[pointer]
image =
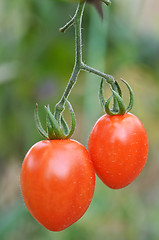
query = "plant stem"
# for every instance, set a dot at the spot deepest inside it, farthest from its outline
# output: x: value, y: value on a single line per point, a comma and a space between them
x: 78, y: 59
x: 79, y: 65
x: 69, y: 24
x: 107, y: 77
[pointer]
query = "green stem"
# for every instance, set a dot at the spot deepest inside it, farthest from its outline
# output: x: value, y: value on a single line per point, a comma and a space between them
x: 110, y: 79
x: 69, y: 24
x: 107, y: 77
x: 78, y: 59
x: 57, y: 128
x: 79, y: 65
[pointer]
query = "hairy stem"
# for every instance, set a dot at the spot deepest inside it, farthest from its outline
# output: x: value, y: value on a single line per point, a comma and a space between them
x: 78, y: 59
x: 107, y: 77
x: 79, y: 65
x: 69, y: 24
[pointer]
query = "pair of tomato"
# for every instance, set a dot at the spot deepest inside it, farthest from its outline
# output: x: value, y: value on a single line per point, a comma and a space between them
x: 58, y: 176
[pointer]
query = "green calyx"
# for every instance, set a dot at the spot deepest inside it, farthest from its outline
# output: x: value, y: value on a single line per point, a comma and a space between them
x: 119, y: 107
x: 56, y: 128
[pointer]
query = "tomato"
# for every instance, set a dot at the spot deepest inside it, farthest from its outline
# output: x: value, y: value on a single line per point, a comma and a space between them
x: 57, y: 182
x: 118, y: 148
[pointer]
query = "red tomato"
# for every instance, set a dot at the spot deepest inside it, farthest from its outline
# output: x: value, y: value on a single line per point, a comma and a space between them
x: 118, y: 148
x: 57, y: 182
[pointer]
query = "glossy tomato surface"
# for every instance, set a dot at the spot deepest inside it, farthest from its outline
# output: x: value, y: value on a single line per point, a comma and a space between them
x: 57, y: 182
x: 118, y: 148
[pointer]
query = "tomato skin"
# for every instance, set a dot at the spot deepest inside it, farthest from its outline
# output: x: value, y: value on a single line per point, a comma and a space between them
x: 57, y: 182
x: 118, y: 148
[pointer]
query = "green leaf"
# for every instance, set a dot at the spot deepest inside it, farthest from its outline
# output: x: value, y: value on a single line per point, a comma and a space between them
x: 50, y: 130
x: 64, y: 125
x: 131, y: 102
x: 73, y: 123
x: 101, y: 94
x: 121, y: 104
x: 54, y: 124
x: 38, y: 123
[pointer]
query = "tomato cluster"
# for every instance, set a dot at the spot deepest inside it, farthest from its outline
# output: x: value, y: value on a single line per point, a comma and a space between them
x: 58, y: 176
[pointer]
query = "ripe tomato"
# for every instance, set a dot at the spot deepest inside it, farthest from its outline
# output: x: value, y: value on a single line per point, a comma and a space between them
x: 57, y: 182
x: 118, y: 148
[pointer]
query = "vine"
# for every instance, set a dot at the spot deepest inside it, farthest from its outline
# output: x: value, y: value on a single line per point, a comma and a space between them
x: 57, y: 128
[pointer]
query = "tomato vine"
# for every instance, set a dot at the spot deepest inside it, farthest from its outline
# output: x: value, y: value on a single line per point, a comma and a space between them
x: 57, y: 128
x: 58, y: 174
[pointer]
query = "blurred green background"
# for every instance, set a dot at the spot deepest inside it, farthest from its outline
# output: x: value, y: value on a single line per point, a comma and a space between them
x: 36, y: 61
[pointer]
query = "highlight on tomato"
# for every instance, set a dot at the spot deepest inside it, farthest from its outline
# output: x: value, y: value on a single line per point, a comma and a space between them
x: 57, y: 182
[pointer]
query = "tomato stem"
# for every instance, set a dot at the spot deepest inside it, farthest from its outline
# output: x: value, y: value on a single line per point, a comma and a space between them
x: 110, y: 79
x: 67, y: 25
x: 79, y: 65
x: 56, y: 125
x: 77, y: 20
